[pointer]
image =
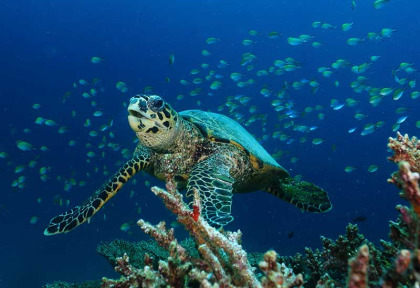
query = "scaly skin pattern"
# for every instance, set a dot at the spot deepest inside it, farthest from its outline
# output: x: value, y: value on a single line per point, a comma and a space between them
x: 70, y: 219
x: 191, y: 147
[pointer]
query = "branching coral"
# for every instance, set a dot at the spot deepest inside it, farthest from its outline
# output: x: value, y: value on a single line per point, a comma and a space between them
x: 133, y: 277
x: 278, y: 275
x: 358, y: 268
x: 410, y: 185
x: 222, y: 261
x: 406, y: 269
x: 405, y: 149
x: 405, y: 231
x: 222, y: 252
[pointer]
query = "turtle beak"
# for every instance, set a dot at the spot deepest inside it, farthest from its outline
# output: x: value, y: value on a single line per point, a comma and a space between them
x: 134, y: 123
x: 135, y: 115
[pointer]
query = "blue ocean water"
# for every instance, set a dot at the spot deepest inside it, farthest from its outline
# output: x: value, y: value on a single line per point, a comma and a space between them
x: 47, y: 46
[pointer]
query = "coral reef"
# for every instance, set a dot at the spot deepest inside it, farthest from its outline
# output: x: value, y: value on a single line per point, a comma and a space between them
x: 215, y: 258
x: 222, y: 252
x: 330, y: 263
x: 333, y: 258
x: 222, y: 261
x: 405, y: 232
x: 172, y: 273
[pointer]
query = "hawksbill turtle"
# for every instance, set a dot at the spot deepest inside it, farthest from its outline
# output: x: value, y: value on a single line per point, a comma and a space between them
x: 200, y: 150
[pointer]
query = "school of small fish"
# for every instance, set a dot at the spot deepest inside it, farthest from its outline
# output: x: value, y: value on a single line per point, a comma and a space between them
x: 275, y: 84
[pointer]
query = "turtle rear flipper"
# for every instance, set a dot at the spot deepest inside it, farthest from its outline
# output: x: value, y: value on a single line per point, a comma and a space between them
x: 212, y: 180
x: 69, y: 220
x: 304, y: 195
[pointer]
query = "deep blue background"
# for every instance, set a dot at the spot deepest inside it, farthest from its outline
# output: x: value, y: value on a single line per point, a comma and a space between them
x: 46, y: 46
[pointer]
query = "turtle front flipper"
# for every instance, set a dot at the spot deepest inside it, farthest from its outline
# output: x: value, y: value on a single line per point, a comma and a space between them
x: 304, y: 195
x: 69, y: 220
x: 212, y: 180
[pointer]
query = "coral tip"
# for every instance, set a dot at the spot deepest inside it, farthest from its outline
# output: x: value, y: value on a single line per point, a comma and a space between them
x: 195, y: 213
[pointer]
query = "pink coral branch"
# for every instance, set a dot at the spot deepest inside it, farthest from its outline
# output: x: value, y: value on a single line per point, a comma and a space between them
x: 358, y: 268
x: 278, y: 275
x: 162, y: 236
x: 410, y: 185
x: 203, y: 233
x: 405, y: 149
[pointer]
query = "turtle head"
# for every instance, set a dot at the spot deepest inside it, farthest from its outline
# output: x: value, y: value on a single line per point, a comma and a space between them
x: 153, y: 120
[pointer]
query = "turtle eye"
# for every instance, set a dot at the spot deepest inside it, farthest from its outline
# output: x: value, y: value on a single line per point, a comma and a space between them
x: 156, y: 103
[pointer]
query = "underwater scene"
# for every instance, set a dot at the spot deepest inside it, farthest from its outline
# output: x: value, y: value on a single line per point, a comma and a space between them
x: 251, y: 143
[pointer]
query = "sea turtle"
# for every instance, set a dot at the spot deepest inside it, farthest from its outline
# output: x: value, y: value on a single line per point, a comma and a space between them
x: 202, y: 151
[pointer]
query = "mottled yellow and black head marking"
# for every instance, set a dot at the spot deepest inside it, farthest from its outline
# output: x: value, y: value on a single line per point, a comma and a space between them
x: 153, y: 120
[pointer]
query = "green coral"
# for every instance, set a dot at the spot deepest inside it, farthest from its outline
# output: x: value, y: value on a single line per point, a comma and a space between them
x: 403, y: 232
x: 60, y: 284
x: 254, y: 258
x: 136, y: 251
x: 332, y: 259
